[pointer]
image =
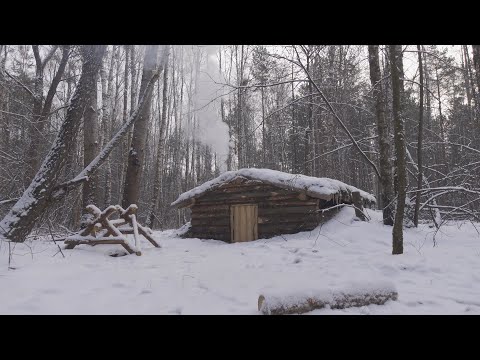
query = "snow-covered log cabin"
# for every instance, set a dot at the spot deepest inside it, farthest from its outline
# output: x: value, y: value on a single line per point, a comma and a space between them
x: 249, y: 204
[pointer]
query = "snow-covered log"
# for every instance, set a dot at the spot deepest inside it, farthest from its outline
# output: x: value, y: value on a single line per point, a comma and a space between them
x: 352, y: 296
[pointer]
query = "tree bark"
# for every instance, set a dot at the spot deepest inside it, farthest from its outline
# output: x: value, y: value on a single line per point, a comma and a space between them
x: 90, y: 151
x: 383, y: 135
x: 399, y: 138
x: 157, y: 187
x: 107, y: 112
x: 419, y: 141
x: 476, y: 64
x: 137, y: 148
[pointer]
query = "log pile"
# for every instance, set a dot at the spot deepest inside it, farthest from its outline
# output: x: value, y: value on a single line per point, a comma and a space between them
x: 102, y: 230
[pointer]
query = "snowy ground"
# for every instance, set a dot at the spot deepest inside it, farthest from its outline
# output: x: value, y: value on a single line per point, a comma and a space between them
x: 193, y: 276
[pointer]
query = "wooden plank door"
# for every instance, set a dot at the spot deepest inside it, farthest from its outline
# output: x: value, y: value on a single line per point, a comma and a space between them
x: 244, y: 222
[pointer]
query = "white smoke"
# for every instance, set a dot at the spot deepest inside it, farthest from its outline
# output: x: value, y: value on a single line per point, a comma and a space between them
x: 212, y: 131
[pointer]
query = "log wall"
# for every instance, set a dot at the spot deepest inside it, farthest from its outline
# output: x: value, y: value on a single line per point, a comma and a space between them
x: 280, y: 211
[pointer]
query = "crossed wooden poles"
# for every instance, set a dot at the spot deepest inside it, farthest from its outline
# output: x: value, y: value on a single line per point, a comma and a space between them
x: 102, y: 230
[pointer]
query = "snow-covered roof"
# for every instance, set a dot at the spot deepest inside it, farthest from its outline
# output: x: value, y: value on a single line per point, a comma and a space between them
x: 323, y: 188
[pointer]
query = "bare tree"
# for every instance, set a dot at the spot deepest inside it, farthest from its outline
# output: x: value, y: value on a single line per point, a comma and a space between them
x: 137, y: 147
x: 157, y: 187
x: 20, y: 220
x: 420, y: 140
x: 383, y: 135
x: 399, y: 137
x: 90, y: 151
x: 41, y: 105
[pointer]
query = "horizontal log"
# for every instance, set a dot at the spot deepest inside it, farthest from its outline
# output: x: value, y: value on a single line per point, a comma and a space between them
x: 294, y: 218
x: 70, y: 244
x: 264, y: 210
x: 215, y: 221
x: 287, y: 203
x: 264, y: 202
x: 210, y: 208
x: 262, y: 219
x: 210, y: 214
x: 258, y: 196
x: 337, y: 299
x: 214, y: 236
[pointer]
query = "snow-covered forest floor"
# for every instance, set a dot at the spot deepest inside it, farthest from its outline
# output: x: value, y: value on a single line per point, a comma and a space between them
x: 193, y: 276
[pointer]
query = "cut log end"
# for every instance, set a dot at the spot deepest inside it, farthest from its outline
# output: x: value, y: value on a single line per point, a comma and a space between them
x: 261, y: 299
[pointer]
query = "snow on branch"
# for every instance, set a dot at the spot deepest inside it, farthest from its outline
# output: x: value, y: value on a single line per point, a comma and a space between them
x: 103, y: 155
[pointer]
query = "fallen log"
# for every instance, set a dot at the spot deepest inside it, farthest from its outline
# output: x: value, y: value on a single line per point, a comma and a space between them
x: 353, y: 296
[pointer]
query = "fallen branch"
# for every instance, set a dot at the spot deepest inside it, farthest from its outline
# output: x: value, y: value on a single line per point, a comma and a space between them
x: 53, y: 238
x: 356, y: 296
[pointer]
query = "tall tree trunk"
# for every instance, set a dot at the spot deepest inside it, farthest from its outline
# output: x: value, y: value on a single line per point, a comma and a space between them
x: 240, y: 120
x: 107, y: 109
x: 264, y: 135
x: 476, y: 64
x: 399, y: 138
x: 90, y: 151
x: 21, y: 219
x: 136, y: 153
x: 383, y: 136
x: 309, y: 132
x: 420, y: 141
x: 443, y: 151
x: 124, y: 146
x: 294, y: 138
x: 475, y: 93
x: 157, y: 186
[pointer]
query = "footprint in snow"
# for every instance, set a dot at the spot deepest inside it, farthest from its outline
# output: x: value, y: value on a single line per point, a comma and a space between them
x: 118, y: 285
x: 145, y: 291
